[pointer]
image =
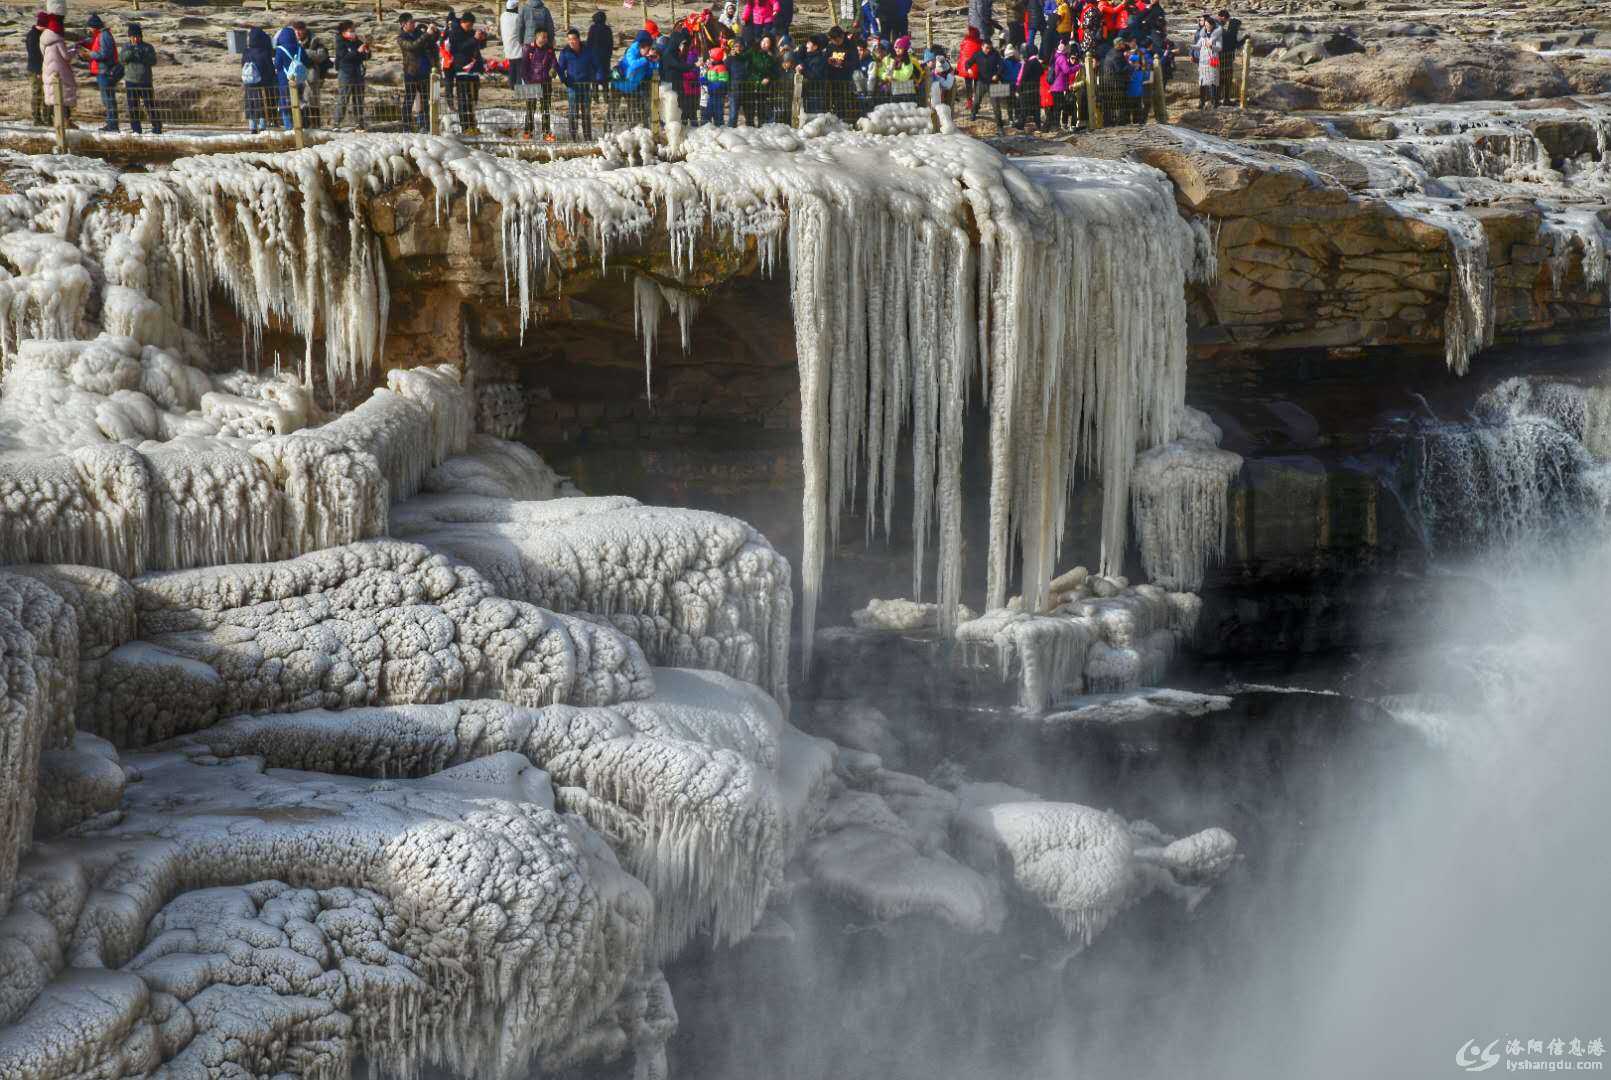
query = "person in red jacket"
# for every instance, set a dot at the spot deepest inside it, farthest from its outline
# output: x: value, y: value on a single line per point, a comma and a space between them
x: 965, y: 65
x: 1112, y: 17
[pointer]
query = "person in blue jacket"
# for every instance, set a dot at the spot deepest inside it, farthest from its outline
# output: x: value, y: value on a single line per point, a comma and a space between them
x: 289, y: 65
x: 101, y: 52
x: 637, y: 63
x: 578, y: 70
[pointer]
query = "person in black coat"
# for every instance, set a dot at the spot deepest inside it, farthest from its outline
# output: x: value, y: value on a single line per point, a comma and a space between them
x: 601, y: 43
x: 1230, y: 41
x: 464, y: 49
x: 988, y: 72
x: 351, y: 54
x: 676, y: 61
x: 1028, y: 99
x: 36, y: 76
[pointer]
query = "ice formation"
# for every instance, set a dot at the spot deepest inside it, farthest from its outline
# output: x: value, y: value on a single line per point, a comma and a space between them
x: 434, y: 922
x: 1178, y: 495
x: 1086, y: 364
x: 893, y: 845
x: 1526, y: 468
x: 902, y: 614
x: 371, y: 623
x: 400, y: 780
x: 1102, y: 636
x: 691, y: 588
x: 689, y: 783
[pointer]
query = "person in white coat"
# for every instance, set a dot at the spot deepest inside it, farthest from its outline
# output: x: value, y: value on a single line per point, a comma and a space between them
x: 1205, y: 49
x: 514, y: 49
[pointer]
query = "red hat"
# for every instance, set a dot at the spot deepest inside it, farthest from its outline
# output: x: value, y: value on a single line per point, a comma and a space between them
x: 717, y: 55
x: 652, y: 26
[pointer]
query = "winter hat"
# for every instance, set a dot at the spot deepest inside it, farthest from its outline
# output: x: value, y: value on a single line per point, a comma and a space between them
x: 94, y: 22
x: 717, y: 55
x: 1010, y: 52
x: 652, y: 26
x: 643, y: 38
x: 42, y: 20
x: 903, y: 44
x: 511, y: 5
x: 134, y: 29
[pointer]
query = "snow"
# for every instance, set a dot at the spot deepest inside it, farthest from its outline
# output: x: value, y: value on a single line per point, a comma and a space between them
x: 901, y: 614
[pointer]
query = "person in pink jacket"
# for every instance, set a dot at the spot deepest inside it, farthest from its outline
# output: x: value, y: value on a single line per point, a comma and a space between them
x: 758, y: 18
x: 1060, y: 81
x: 60, y: 82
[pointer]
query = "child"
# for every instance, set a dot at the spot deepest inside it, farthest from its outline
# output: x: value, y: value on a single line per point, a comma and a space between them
x: 540, y: 64
x: 941, y: 77
x: 715, y: 85
x: 1135, y: 90
x: 350, y: 56
x: 138, y: 60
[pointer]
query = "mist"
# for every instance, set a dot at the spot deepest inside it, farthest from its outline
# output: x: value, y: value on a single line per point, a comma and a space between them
x: 1421, y: 880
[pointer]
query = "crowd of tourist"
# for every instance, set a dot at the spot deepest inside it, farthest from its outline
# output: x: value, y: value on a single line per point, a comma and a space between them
x: 1038, y: 69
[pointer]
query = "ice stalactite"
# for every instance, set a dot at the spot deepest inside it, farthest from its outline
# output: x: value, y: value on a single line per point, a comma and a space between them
x: 650, y: 298
x: 1178, y: 496
x: 889, y: 291
x: 1468, y: 324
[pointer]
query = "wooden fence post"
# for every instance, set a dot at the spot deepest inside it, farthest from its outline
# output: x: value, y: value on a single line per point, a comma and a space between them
x: 654, y: 108
x: 1159, y: 105
x: 797, y: 100
x: 433, y: 93
x: 61, y: 117
x: 296, y: 113
x: 1247, y: 59
x: 928, y: 22
x: 1092, y: 104
x: 567, y: 21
